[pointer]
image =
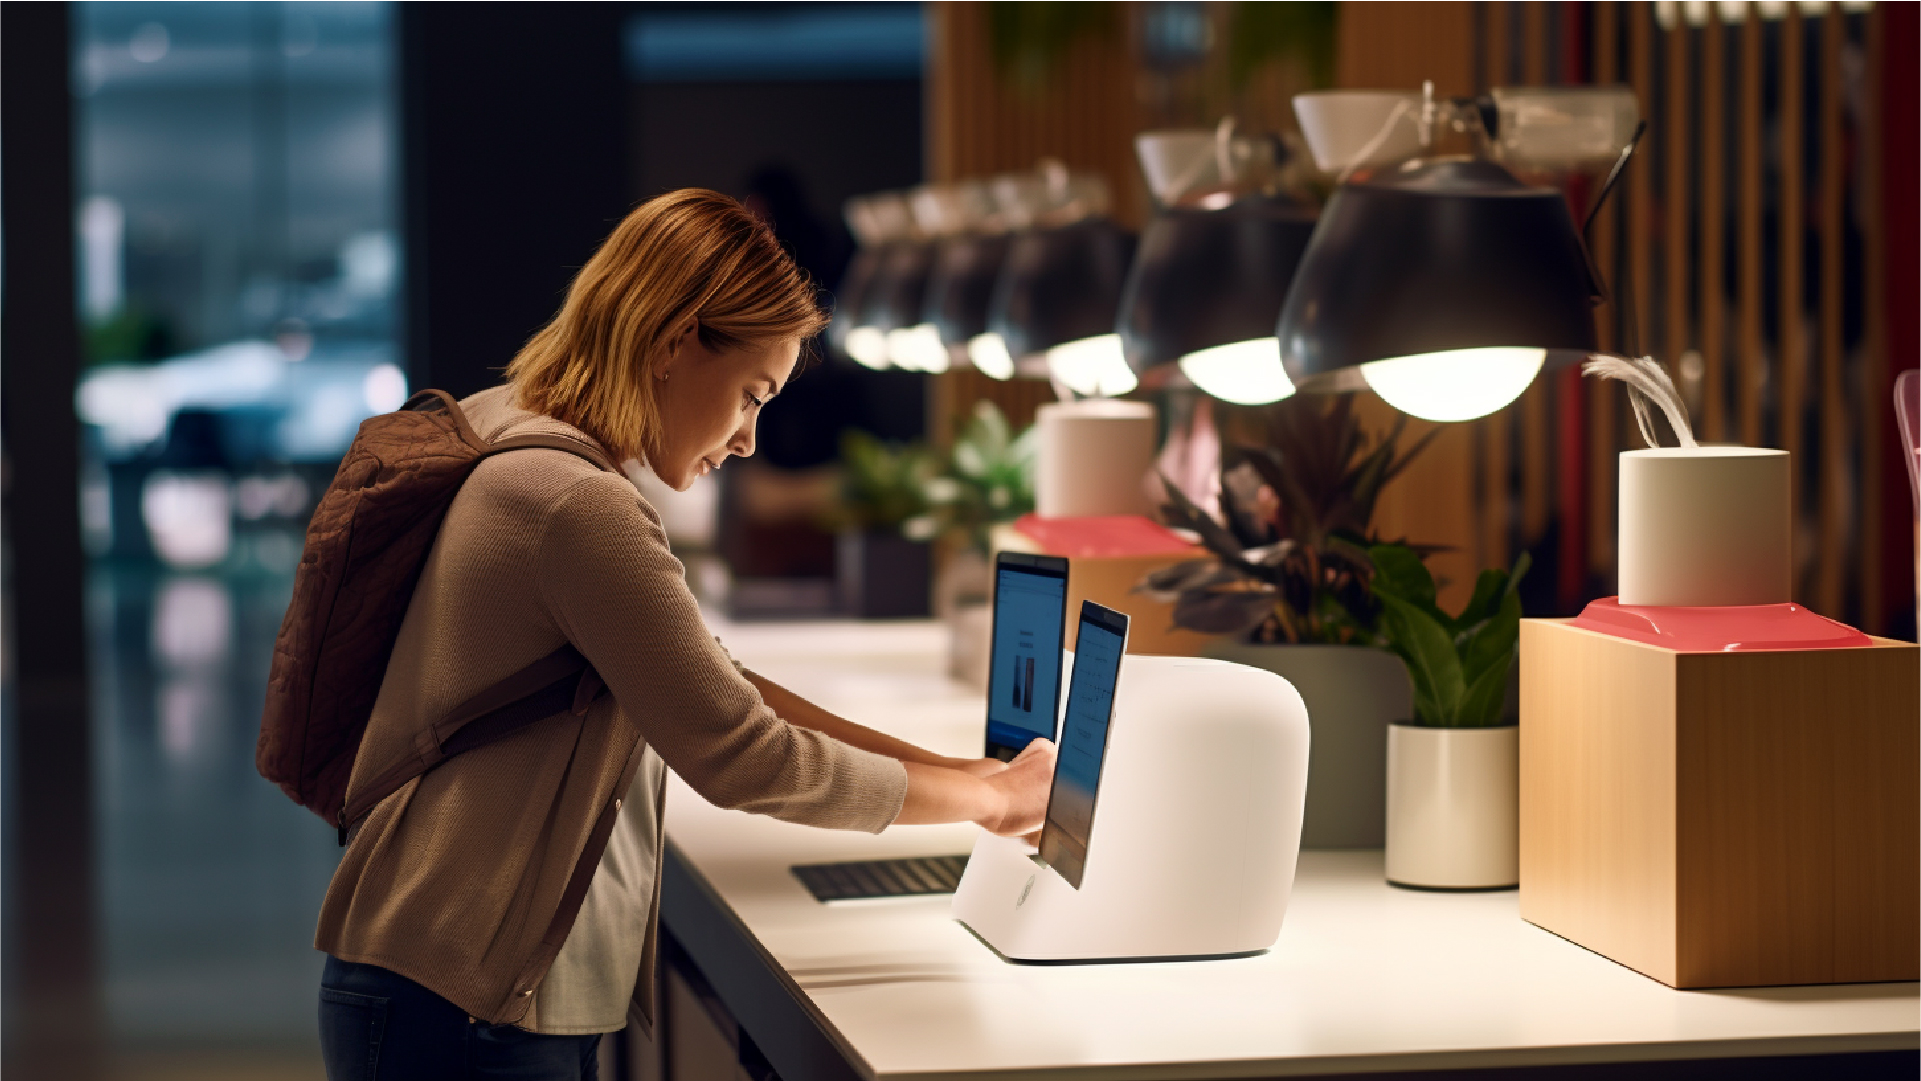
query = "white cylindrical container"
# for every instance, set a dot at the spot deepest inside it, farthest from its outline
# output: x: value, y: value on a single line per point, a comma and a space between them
x: 1453, y: 807
x: 1093, y: 458
x: 1706, y: 526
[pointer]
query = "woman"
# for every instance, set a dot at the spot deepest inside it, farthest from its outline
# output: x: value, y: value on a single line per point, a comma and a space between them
x: 456, y: 948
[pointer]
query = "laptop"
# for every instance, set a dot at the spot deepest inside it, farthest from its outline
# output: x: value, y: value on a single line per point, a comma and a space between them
x: 1023, y: 703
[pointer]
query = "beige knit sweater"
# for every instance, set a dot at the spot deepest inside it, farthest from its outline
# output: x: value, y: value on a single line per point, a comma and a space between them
x: 454, y: 880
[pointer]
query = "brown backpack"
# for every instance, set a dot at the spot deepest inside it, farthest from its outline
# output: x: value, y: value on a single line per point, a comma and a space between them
x: 365, y: 548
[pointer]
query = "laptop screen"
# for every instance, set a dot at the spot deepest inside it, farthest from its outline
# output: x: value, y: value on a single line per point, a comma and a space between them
x: 1024, y: 685
x: 1090, y: 709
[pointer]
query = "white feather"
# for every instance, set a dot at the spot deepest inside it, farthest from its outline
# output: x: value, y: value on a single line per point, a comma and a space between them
x: 1648, y: 384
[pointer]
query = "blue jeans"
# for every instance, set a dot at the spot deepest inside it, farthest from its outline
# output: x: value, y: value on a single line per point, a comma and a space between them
x: 376, y: 1025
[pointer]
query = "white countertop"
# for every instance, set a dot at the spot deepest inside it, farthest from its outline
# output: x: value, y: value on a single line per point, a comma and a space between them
x: 1365, y: 977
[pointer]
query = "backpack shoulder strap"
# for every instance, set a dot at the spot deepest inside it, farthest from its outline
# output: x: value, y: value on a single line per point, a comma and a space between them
x: 439, y: 401
x: 562, y: 681
x: 553, y: 442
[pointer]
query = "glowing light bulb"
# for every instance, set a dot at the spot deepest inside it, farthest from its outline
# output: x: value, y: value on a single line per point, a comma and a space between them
x: 917, y: 348
x: 1245, y: 373
x: 1459, y: 384
x: 1093, y: 366
x: 989, y: 354
x: 868, y: 346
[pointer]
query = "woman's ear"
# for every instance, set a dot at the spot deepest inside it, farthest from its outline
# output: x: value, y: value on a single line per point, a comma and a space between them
x: 675, y: 341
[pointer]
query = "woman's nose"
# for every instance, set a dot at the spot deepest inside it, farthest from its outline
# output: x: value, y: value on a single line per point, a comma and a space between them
x: 743, y: 441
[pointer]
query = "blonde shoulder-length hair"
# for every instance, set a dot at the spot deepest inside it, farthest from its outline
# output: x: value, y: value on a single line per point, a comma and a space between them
x: 687, y: 253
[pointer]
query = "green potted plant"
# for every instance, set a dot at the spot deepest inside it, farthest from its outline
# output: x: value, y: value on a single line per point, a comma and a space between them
x: 986, y: 480
x: 1286, y: 584
x: 881, y: 571
x: 1453, y: 766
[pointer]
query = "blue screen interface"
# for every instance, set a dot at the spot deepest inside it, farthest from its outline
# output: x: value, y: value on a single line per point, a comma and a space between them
x: 1023, y: 690
x: 1090, y: 708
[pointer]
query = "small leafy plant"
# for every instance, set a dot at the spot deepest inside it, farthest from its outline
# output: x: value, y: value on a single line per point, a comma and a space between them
x: 988, y: 479
x: 1288, y: 559
x: 1458, y: 665
x: 882, y: 486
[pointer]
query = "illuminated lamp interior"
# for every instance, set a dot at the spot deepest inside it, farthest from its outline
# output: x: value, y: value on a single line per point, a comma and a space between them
x: 989, y: 354
x: 868, y: 346
x: 1459, y: 384
x: 1245, y: 373
x: 917, y: 348
x: 1095, y: 367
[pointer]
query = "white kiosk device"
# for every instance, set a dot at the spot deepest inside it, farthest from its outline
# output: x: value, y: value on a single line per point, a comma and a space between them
x: 1194, y: 834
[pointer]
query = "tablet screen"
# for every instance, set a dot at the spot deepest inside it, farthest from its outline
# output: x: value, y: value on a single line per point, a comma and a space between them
x: 1077, y: 771
x: 1024, y: 686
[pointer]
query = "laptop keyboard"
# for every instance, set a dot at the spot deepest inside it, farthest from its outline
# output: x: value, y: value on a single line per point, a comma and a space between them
x: 866, y: 879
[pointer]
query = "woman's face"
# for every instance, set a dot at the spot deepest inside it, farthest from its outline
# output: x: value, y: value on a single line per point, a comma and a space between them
x: 710, y: 401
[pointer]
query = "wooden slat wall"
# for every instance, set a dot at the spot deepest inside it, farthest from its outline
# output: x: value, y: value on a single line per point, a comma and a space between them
x: 1714, y: 233
x: 1875, y: 428
x: 1536, y: 405
x: 1672, y: 127
x: 1085, y: 114
x: 1753, y: 351
x: 1736, y: 248
x: 1603, y: 423
x: 1791, y: 371
x: 1835, y: 494
x: 978, y: 126
x: 1494, y: 435
x: 1712, y: 272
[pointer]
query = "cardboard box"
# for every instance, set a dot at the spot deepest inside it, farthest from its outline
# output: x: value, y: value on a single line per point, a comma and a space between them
x: 1723, y: 819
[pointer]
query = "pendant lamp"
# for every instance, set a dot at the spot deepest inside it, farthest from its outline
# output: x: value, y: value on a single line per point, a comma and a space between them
x: 1058, y: 297
x: 884, y: 227
x: 1059, y: 291
x: 894, y: 308
x: 960, y: 291
x: 966, y: 258
x: 1205, y: 290
x: 1214, y: 263
x: 1445, y: 283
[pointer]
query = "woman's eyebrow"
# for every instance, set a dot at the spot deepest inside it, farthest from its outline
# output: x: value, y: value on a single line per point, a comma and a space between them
x: 773, y: 387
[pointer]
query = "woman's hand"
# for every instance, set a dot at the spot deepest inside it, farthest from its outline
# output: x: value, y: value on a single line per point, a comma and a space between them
x: 1022, y: 788
x: 1005, y: 798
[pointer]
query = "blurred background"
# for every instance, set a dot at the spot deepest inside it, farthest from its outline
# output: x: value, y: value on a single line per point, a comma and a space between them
x: 235, y: 230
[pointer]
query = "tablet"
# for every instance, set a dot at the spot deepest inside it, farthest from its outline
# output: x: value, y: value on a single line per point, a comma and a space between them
x: 1030, y: 622
x: 1098, y: 648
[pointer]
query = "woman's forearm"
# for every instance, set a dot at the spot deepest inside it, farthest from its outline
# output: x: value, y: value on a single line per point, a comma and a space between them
x: 794, y: 709
x: 937, y: 794
x: 1006, y: 799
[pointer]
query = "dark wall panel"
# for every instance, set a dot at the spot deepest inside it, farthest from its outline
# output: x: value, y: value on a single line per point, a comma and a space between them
x: 52, y: 1009
x: 513, y: 131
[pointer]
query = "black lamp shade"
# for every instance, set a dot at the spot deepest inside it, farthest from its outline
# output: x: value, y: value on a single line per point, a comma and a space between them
x: 960, y: 289
x: 1060, y: 285
x: 1438, y: 256
x: 899, y: 289
x: 1205, y: 278
x: 855, y: 282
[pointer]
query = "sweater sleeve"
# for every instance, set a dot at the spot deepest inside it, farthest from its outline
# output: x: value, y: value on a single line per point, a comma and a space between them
x: 620, y: 596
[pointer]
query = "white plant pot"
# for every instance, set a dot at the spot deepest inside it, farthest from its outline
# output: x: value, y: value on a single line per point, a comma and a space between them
x: 1453, y: 807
